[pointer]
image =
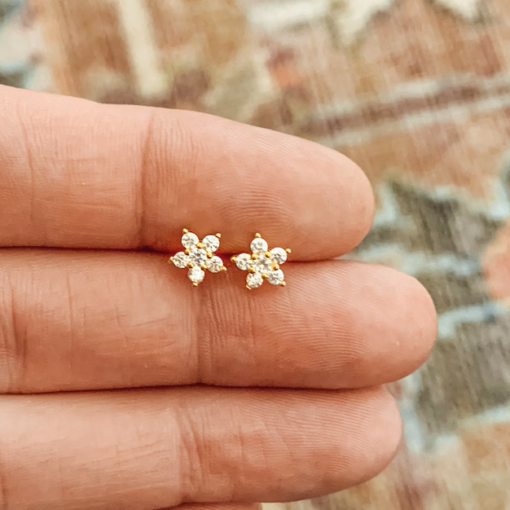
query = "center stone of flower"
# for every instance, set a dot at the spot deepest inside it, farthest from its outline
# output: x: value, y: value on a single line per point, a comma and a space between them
x: 198, y: 257
x: 262, y: 264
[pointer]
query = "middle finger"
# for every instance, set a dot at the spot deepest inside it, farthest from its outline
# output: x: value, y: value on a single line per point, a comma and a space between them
x: 89, y: 320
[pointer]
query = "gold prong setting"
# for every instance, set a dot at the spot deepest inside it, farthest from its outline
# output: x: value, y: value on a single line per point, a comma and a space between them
x: 198, y: 256
x: 262, y: 264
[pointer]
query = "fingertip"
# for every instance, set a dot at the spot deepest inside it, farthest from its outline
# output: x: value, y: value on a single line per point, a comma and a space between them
x: 385, y: 436
x: 360, y: 443
x: 362, y: 207
x: 403, y: 325
x: 419, y: 313
x: 378, y: 436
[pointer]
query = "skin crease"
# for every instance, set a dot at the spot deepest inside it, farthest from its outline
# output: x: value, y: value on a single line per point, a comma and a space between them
x: 121, y: 385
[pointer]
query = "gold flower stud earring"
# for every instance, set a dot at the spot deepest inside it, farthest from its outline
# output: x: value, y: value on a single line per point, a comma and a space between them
x: 262, y: 264
x: 198, y: 256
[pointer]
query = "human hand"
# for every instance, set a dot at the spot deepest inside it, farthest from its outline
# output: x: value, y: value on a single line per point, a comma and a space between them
x: 123, y: 387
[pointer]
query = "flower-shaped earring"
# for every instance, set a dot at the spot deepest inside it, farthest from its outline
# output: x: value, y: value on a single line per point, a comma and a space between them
x: 198, y: 256
x: 262, y: 264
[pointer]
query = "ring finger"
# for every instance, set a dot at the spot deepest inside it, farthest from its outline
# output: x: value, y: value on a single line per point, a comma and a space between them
x: 158, y: 448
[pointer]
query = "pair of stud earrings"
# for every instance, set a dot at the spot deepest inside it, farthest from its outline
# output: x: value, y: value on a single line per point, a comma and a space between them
x: 199, y: 256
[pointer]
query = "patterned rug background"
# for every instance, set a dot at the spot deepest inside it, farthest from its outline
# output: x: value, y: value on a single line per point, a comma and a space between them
x: 418, y: 93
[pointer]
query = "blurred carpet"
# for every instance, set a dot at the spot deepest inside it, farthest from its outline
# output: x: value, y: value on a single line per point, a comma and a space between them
x: 418, y: 93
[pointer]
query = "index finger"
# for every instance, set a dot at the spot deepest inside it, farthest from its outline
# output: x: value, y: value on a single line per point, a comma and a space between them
x: 76, y: 174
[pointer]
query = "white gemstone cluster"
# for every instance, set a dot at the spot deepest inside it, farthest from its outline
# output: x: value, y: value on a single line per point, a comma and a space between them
x: 198, y: 256
x: 262, y: 264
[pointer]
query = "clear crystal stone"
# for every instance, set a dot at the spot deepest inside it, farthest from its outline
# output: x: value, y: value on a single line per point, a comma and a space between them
x: 211, y: 243
x: 254, y: 280
x: 258, y: 245
x: 180, y: 260
x: 275, y: 277
x: 279, y: 255
x: 214, y: 264
x: 196, y: 275
x: 189, y: 240
x: 262, y: 264
x: 198, y: 256
x: 243, y: 261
